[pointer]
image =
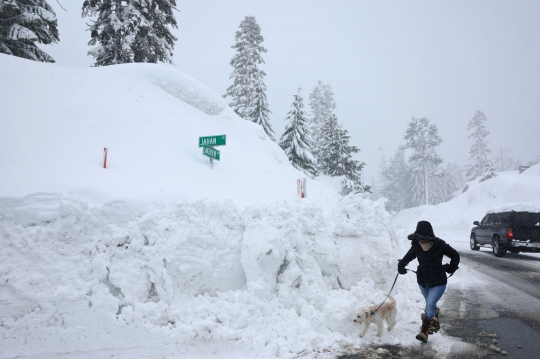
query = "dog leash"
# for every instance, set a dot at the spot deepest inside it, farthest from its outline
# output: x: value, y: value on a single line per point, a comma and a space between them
x: 395, y: 280
x: 375, y: 311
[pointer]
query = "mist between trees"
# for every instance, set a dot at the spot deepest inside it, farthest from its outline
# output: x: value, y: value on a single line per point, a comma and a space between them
x: 415, y: 174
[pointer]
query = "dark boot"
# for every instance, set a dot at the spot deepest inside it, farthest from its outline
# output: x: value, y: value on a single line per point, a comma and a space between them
x: 434, y: 324
x: 423, y: 335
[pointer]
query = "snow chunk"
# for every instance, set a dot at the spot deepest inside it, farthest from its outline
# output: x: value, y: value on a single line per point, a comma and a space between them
x: 191, y: 92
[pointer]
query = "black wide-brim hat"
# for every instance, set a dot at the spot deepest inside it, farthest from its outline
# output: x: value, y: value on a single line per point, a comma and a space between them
x: 424, y: 230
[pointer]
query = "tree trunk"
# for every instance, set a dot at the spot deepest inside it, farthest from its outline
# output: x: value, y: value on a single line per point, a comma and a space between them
x: 426, y: 184
x: 117, y: 35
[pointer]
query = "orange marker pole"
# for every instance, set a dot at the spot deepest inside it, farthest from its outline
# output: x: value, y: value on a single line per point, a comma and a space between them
x: 105, y: 157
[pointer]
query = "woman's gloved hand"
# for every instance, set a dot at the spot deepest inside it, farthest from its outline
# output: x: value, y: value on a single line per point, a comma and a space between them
x: 401, y: 270
x: 450, y: 269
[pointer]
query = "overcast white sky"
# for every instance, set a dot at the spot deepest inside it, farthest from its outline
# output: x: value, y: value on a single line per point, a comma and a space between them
x: 385, y: 60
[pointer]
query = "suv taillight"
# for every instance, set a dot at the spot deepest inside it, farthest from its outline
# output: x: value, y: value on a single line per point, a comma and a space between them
x: 510, y: 233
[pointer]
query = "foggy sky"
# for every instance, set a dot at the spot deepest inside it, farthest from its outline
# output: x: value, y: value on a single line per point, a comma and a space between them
x: 386, y: 61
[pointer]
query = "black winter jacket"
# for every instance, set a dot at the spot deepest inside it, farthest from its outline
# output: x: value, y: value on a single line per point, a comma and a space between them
x: 430, y: 272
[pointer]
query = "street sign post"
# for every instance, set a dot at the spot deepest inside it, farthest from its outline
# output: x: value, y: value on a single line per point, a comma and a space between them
x: 208, y: 143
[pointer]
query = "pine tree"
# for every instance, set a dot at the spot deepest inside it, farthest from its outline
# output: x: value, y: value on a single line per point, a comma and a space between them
x: 248, y: 91
x: 336, y: 157
x: 396, y: 185
x: 422, y: 137
x: 130, y: 30
x: 479, y: 147
x: 334, y: 151
x: 295, y: 141
x: 443, y: 186
x: 322, y: 104
x: 352, y: 183
x: 22, y: 24
x: 154, y: 42
x: 489, y: 170
x: 259, y: 112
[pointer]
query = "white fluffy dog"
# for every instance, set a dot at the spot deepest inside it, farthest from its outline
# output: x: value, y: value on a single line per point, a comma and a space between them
x: 386, y: 312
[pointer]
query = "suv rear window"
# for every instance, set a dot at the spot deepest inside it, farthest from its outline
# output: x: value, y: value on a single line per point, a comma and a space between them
x: 526, y: 219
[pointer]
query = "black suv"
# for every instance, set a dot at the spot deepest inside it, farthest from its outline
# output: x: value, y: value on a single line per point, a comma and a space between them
x: 507, y: 231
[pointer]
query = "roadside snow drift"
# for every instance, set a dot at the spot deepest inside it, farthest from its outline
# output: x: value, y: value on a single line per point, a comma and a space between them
x: 272, y: 281
x: 457, y: 215
x: 158, y: 255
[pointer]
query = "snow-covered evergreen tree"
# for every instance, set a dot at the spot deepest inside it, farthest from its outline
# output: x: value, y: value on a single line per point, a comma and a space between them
x: 130, y: 30
x: 489, y: 169
x: 334, y: 149
x: 479, y: 147
x: 22, y: 24
x: 154, y: 41
x: 443, y: 186
x: 335, y: 157
x: 422, y: 137
x: 295, y: 141
x: 248, y: 91
x: 322, y: 104
x: 396, y: 182
x: 259, y: 111
x: 352, y: 183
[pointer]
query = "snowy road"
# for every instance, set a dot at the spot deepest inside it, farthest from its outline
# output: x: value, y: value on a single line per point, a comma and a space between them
x: 495, y: 306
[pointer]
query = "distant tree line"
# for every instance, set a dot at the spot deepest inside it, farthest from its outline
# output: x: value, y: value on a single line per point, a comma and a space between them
x: 420, y: 179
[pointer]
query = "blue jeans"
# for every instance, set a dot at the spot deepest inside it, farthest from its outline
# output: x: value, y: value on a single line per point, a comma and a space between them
x: 432, y: 296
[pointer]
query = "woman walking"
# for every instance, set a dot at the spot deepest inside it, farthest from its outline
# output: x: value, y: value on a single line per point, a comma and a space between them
x: 431, y: 273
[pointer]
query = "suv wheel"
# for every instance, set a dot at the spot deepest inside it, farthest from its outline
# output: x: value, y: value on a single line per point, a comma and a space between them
x: 498, y: 250
x: 474, y: 244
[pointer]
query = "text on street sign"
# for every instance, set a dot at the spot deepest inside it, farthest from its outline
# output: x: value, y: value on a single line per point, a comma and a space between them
x: 211, y: 152
x: 213, y: 140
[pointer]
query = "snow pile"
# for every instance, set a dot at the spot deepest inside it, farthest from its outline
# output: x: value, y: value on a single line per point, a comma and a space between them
x: 533, y: 170
x: 56, y: 121
x: 159, y: 255
x: 457, y: 215
x: 276, y: 279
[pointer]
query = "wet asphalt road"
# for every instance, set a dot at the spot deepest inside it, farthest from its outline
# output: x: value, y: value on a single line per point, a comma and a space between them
x: 497, y: 306
x: 492, y: 309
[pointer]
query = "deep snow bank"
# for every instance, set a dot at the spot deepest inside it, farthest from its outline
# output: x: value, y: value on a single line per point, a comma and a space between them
x: 458, y: 214
x: 273, y: 280
x: 55, y: 122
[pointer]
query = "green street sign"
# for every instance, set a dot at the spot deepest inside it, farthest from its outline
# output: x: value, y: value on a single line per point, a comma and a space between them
x: 213, y: 140
x: 210, y: 152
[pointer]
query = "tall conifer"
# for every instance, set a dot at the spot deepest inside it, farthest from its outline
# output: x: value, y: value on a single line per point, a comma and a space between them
x: 322, y: 104
x: 248, y: 91
x: 335, y: 157
x: 25, y: 22
x: 489, y: 169
x: 295, y: 141
x: 130, y: 30
x: 479, y: 148
x: 422, y: 137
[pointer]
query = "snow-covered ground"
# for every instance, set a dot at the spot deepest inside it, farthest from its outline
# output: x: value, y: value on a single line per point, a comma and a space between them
x: 160, y: 256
